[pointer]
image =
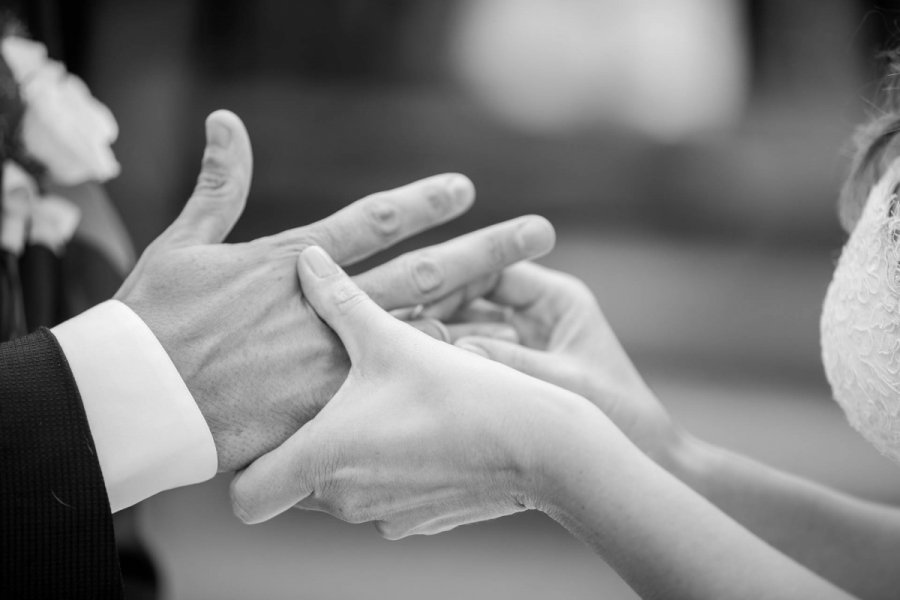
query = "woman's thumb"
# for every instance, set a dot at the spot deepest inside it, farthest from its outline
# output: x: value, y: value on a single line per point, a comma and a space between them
x: 338, y: 300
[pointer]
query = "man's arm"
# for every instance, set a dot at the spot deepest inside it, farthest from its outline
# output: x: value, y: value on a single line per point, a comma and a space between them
x: 222, y: 322
x: 197, y: 342
x: 56, y: 533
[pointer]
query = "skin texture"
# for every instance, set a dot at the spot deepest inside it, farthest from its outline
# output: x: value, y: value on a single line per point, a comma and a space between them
x: 255, y: 357
x: 566, y: 340
x: 423, y: 437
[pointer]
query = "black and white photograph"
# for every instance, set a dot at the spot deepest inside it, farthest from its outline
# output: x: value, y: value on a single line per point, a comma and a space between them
x: 449, y: 299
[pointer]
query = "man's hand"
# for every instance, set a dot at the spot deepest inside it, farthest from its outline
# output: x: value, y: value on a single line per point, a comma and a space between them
x: 255, y: 357
x: 420, y: 438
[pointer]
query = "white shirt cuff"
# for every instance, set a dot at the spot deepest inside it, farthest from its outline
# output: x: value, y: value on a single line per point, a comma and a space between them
x: 149, y: 433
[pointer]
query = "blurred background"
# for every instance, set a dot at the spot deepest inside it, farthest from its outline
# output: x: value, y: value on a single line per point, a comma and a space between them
x: 689, y: 153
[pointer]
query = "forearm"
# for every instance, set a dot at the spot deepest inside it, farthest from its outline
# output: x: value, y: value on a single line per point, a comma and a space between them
x: 855, y: 544
x: 663, y: 538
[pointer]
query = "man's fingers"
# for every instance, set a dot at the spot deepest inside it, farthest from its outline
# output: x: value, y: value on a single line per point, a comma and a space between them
x: 340, y: 303
x: 447, y: 307
x: 222, y: 187
x: 275, y: 481
x: 381, y: 220
x: 432, y: 273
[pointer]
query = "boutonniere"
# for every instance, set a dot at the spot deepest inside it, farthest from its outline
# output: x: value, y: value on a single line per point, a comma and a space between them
x: 63, y: 127
x: 53, y: 135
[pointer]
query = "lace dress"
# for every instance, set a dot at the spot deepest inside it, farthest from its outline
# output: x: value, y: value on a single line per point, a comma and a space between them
x: 860, y: 326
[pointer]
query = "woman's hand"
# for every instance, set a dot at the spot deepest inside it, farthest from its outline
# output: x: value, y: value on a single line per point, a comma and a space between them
x: 565, y: 339
x: 421, y: 437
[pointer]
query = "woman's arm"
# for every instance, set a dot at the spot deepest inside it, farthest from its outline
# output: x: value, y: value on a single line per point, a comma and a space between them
x: 423, y: 437
x: 567, y: 341
x: 854, y: 543
x: 664, y: 539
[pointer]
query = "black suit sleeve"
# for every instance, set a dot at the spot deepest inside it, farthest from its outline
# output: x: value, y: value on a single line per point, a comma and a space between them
x: 56, y: 532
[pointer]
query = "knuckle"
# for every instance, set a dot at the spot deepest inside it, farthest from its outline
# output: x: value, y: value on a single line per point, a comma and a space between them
x: 579, y: 289
x: 215, y: 179
x: 345, y: 295
x: 383, y: 216
x: 570, y: 284
x: 352, y: 509
x: 216, y: 184
x: 389, y: 531
x: 312, y: 235
x: 381, y: 527
x: 439, y: 199
x: 426, y: 274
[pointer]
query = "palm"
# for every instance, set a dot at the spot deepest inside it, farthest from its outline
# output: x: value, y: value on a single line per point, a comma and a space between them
x: 557, y: 316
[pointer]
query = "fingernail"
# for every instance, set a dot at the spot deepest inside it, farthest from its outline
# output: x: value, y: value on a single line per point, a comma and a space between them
x: 319, y: 263
x: 218, y: 135
x: 240, y: 513
x: 470, y: 347
x: 461, y: 188
x: 532, y: 236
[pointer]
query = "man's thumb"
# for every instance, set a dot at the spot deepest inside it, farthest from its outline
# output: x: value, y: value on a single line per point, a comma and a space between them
x: 222, y: 187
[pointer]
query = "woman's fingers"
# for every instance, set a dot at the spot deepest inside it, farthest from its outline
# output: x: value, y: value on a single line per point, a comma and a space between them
x: 432, y: 273
x: 480, y: 310
x: 280, y: 479
x: 353, y: 316
x: 222, y: 187
x: 497, y: 331
x: 452, y: 332
x: 450, y: 305
x: 521, y: 285
x: 551, y: 368
x: 277, y: 480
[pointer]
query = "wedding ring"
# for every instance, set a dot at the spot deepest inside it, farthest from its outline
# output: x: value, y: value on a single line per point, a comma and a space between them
x: 416, y: 312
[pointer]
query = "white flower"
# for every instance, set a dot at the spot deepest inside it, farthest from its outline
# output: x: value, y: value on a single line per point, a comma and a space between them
x: 20, y: 193
x: 64, y: 126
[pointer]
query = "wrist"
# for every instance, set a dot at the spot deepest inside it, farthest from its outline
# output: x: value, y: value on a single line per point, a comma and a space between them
x: 692, y: 461
x: 573, y: 438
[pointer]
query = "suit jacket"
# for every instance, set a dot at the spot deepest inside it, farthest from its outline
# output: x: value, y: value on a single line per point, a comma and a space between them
x: 56, y: 530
